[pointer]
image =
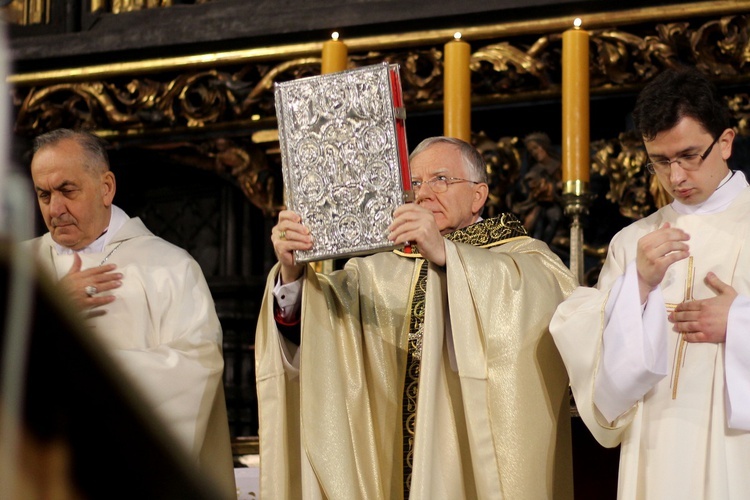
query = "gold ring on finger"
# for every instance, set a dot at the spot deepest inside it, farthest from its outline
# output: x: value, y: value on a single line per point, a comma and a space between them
x: 282, y: 235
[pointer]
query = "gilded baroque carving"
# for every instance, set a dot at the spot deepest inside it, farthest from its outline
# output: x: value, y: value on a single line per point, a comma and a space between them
x: 422, y: 75
x: 518, y: 68
x: 197, y: 99
x: 721, y: 46
x: 75, y: 105
x: 421, y: 72
x: 503, y: 162
x: 503, y: 68
x: 739, y: 106
x: 621, y: 161
x: 121, y: 6
x: 499, y: 70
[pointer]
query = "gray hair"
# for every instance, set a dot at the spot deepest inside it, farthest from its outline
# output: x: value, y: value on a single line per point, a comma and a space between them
x: 94, y: 147
x: 473, y: 160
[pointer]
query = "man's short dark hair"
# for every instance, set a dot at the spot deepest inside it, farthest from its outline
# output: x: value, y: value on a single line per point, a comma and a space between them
x: 93, y: 146
x: 676, y: 94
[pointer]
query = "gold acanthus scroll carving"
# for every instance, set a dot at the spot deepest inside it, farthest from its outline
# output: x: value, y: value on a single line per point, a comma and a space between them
x: 241, y: 96
x: 621, y: 161
x: 501, y: 71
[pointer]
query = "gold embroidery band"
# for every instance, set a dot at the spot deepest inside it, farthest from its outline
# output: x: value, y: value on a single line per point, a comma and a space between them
x: 413, y: 365
x: 486, y: 233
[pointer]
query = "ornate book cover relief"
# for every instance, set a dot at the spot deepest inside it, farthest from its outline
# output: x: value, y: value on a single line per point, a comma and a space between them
x: 344, y: 157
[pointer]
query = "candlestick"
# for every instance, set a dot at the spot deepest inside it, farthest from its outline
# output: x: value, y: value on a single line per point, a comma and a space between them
x: 575, y: 109
x: 334, y: 56
x: 575, y: 139
x: 457, y: 89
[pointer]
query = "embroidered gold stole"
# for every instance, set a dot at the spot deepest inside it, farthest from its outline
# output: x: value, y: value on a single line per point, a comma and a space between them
x: 485, y: 234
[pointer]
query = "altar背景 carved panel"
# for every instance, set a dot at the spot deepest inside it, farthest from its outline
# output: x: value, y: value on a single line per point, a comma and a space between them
x: 240, y: 97
x: 506, y: 70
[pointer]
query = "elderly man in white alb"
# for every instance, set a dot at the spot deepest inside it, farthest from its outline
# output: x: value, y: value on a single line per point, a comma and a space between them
x: 145, y: 300
x: 659, y: 352
x: 424, y: 375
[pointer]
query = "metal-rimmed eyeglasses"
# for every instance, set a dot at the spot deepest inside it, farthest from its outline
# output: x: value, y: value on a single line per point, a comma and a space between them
x: 686, y: 162
x: 439, y: 183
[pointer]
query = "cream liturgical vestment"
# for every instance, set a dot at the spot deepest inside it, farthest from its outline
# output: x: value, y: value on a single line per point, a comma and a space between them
x: 492, y: 409
x: 164, y: 331
x: 687, y: 435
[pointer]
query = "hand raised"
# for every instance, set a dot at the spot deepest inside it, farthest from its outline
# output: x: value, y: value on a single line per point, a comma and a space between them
x: 85, y: 287
x: 288, y: 235
x: 705, y: 320
x: 656, y: 252
x: 415, y: 224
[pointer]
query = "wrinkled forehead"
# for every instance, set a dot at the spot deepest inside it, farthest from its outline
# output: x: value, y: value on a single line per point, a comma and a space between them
x: 58, y: 172
x: 438, y: 159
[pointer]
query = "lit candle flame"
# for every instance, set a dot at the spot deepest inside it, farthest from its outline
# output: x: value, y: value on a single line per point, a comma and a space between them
x: 334, y: 55
x: 577, y: 22
x: 457, y: 89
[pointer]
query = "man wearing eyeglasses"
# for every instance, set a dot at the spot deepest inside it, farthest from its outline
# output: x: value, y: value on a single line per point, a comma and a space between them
x: 420, y: 375
x: 659, y: 353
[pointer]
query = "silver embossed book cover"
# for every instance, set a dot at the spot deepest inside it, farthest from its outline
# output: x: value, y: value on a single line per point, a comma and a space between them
x: 344, y: 157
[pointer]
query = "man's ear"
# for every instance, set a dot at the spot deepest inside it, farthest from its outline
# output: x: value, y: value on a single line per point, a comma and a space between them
x: 108, y: 187
x: 481, y: 191
x: 725, y: 141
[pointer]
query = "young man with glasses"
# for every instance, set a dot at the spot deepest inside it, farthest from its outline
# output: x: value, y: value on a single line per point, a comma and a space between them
x: 422, y: 375
x: 659, y: 353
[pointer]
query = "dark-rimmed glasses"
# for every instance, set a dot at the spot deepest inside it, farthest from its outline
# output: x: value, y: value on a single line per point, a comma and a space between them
x: 686, y: 162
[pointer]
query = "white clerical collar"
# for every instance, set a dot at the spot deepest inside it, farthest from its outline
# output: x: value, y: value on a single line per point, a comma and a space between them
x: 117, y: 219
x: 729, y: 188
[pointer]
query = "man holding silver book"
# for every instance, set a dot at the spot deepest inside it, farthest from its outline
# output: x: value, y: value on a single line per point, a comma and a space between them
x: 428, y: 374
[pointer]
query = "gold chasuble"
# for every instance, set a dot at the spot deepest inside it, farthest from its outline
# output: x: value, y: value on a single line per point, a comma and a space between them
x: 447, y: 372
